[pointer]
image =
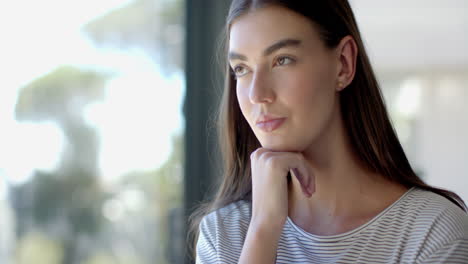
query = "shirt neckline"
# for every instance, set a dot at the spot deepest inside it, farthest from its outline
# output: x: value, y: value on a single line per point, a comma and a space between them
x: 330, y: 238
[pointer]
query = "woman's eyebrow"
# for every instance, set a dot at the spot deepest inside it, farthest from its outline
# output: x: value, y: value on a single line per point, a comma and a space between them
x: 274, y: 47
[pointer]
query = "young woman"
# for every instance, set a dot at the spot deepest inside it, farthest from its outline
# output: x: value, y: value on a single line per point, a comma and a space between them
x: 313, y: 169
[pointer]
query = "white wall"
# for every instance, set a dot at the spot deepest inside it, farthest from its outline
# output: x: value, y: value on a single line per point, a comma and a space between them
x: 420, y: 51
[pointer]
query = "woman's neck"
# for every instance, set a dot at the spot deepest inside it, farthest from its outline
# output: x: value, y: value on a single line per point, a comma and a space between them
x: 346, y: 193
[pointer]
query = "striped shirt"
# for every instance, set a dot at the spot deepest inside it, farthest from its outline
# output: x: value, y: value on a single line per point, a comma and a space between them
x: 420, y: 227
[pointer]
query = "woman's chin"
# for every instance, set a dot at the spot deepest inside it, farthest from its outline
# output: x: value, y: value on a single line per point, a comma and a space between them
x: 279, y: 146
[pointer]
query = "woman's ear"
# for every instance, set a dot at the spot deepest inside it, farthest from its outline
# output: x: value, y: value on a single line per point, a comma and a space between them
x: 347, y: 54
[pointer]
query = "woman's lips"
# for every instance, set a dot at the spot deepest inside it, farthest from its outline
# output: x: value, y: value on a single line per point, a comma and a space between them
x: 271, y: 124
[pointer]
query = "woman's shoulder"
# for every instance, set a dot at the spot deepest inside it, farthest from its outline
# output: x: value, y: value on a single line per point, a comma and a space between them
x: 430, y: 209
x: 435, y: 226
x: 223, y: 232
x: 433, y: 203
x: 236, y: 214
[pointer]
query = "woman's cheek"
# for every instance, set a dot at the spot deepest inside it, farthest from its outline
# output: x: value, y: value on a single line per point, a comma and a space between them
x: 299, y: 90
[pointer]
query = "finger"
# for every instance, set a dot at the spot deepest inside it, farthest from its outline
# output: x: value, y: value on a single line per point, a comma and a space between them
x: 293, y: 162
x: 303, y: 174
x: 302, y: 181
x: 309, y: 181
x: 257, y: 153
x: 311, y: 184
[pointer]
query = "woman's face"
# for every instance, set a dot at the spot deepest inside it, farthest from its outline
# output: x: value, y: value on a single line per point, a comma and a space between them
x: 284, y: 73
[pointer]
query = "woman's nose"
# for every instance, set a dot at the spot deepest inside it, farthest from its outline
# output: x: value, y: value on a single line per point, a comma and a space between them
x: 261, y: 90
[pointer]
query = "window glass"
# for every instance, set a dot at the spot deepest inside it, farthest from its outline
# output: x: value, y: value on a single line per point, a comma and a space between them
x: 92, y: 131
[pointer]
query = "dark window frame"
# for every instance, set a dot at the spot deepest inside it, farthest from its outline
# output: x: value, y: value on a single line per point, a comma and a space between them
x: 204, y: 23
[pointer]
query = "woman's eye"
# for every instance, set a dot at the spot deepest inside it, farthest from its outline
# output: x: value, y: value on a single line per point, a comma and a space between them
x: 284, y: 61
x: 239, y: 71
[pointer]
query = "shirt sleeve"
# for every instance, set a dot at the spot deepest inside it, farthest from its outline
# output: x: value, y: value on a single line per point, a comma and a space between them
x: 205, y: 250
x: 453, y: 253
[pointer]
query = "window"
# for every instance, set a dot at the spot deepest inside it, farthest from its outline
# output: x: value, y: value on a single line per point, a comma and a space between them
x: 91, y: 163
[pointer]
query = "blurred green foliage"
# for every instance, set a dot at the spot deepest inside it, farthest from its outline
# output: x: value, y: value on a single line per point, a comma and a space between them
x: 35, y: 247
x: 64, y: 204
x: 155, y: 26
x: 60, y: 94
x: 59, y: 214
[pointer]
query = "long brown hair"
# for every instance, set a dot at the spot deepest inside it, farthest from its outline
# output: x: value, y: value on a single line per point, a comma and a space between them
x: 370, y: 131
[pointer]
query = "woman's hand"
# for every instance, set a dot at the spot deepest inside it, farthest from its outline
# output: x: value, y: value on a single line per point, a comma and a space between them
x: 270, y: 186
x: 270, y: 201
